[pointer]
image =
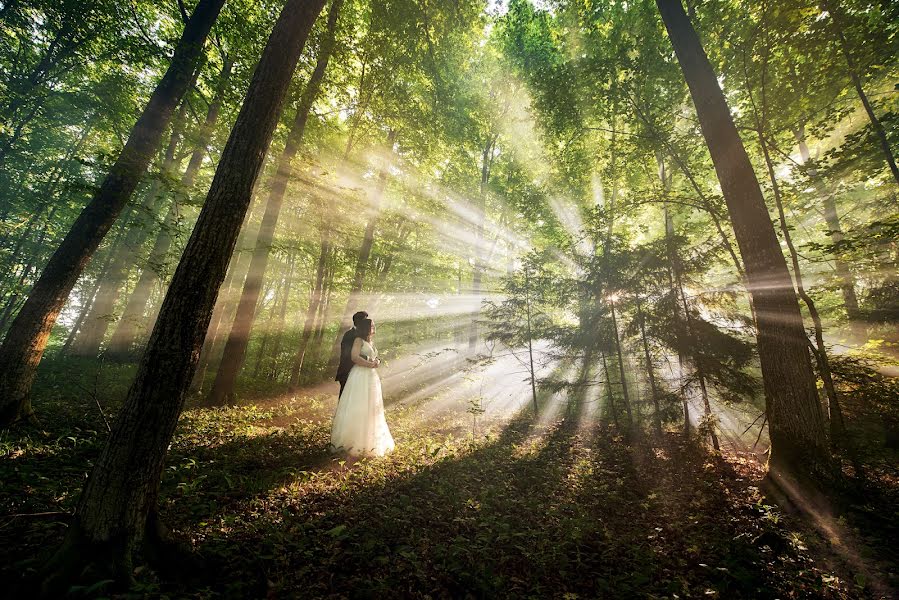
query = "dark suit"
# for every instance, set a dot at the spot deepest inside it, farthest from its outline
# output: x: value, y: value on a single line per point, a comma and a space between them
x: 346, y: 361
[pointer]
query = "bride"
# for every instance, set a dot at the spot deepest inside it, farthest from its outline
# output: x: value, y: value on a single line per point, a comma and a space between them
x: 359, y: 426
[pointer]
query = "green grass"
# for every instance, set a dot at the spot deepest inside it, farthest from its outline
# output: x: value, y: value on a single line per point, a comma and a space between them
x: 565, y: 510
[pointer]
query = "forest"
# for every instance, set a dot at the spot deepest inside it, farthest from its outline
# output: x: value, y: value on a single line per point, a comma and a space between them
x: 633, y: 265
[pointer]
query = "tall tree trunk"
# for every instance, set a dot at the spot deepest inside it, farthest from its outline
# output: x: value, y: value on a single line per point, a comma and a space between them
x: 239, y: 336
x: 834, y: 228
x: 88, y: 342
x: 836, y: 19
x: 223, y: 310
x: 27, y: 338
x: 132, y: 320
x: 819, y: 350
x: 624, y: 393
x: 609, y: 396
x: 368, y: 239
x: 798, y: 435
x: 315, y: 302
x: 673, y: 275
x: 117, y: 505
x: 282, y: 319
x: 650, y: 371
x: 324, y: 308
x: 478, y: 267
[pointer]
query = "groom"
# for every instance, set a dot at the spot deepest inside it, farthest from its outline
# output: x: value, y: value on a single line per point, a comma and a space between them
x: 346, y: 347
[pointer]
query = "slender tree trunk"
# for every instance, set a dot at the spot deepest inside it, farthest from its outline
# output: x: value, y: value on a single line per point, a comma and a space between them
x: 12, y: 302
x: 836, y: 18
x: 27, y: 338
x: 315, y: 301
x: 624, y: 392
x: 239, y: 336
x: 368, y: 239
x: 282, y: 318
x: 478, y: 267
x: 118, y: 502
x: 609, y: 396
x: 324, y: 309
x: 673, y: 274
x: 650, y: 371
x: 698, y: 360
x: 834, y: 229
x: 796, y: 424
x: 132, y: 320
x: 269, y: 322
x: 88, y: 342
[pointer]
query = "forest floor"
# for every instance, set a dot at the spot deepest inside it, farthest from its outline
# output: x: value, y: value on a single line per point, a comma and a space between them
x: 467, y: 506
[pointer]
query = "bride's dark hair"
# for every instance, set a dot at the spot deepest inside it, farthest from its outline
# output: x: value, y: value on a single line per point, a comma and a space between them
x: 364, y: 328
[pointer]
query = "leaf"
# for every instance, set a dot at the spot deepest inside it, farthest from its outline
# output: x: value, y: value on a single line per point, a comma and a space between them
x: 337, y: 532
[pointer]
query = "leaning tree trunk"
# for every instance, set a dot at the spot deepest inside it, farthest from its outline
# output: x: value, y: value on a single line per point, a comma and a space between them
x: 27, y: 338
x: 796, y: 424
x: 836, y: 17
x: 224, y: 306
x: 132, y: 321
x: 117, y: 505
x: 93, y: 332
x: 239, y: 337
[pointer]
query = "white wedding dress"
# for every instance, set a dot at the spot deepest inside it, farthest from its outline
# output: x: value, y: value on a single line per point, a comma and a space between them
x: 359, y: 426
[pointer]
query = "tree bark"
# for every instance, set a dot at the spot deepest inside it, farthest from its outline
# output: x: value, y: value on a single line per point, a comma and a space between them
x: 650, y: 371
x: 624, y: 393
x: 368, y: 239
x: 132, y: 320
x: 239, y: 337
x: 836, y: 18
x: 119, y: 497
x: 224, y: 307
x: 27, y: 338
x: 798, y: 436
x: 478, y: 267
x: 315, y: 302
x: 88, y: 342
x: 282, y: 316
x: 834, y: 228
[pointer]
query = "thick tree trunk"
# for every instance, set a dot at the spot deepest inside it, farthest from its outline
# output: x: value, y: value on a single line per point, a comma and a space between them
x: 223, y: 310
x: 119, y: 496
x: 132, y: 321
x: 798, y: 435
x: 819, y: 350
x: 27, y: 338
x: 239, y: 336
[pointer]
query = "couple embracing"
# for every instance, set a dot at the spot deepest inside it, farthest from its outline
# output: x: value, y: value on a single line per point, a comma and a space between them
x: 359, y: 426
